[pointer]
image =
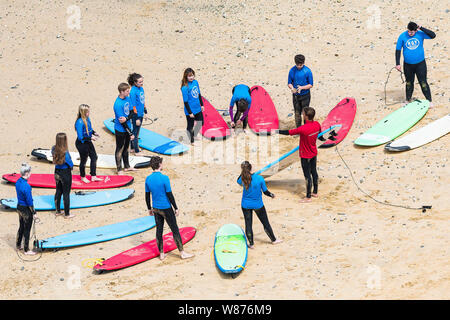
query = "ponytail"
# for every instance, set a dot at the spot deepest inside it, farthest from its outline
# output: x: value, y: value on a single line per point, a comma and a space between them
x: 246, y: 174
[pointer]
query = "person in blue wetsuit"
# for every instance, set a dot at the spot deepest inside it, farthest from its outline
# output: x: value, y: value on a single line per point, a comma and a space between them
x: 193, y: 103
x: 63, y: 174
x: 137, y: 97
x: 159, y: 193
x: 25, y: 209
x: 122, y: 127
x: 84, y: 145
x: 300, y: 82
x: 411, y: 41
x: 243, y: 101
x: 253, y: 187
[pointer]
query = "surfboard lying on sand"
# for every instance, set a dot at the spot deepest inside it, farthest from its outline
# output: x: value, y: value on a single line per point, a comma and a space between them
x: 214, y: 126
x: 144, y: 252
x: 263, y: 116
x: 79, y: 199
x: 230, y: 249
x: 395, y: 124
x: 104, y: 161
x: 47, y: 180
x: 292, y: 156
x: 100, y: 234
x: 344, y: 114
x: 153, y: 141
x: 424, y: 135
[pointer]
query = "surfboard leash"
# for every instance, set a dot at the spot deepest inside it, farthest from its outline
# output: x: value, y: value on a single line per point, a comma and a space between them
x: 385, y: 85
x: 35, y: 241
x: 423, y: 208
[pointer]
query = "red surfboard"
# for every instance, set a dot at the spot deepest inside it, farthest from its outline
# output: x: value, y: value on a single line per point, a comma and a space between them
x: 343, y: 113
x: 144, y: 252
x: 48, y: 181
x: 262, y: 117
x: 214, y: 126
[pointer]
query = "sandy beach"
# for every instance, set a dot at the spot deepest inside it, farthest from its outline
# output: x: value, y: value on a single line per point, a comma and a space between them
x: 343, y: 245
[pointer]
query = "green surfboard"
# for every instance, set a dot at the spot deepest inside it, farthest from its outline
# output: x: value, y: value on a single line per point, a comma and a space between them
x: 395, y: 124
x: 230, y: 249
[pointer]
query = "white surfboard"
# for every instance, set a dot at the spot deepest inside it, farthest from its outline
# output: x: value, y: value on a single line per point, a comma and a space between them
x: 104, y: 161
x: 292, y: 156
x: 424, y: 135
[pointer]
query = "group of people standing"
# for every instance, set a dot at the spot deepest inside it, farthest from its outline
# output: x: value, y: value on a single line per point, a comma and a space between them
x: 130, y: 107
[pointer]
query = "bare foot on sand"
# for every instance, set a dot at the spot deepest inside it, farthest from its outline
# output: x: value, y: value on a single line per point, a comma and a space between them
x: 162, y: 256
x: 130, y: 169
x: 314, y: 195
x: 305, y: 200
x: 277, y: 241
x: 185, y: 255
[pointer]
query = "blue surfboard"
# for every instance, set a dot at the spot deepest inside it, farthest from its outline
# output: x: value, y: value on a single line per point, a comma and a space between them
x: 100, y: 234
x: 290, y: 157
x: 79, y: 199
x: 153, y: 141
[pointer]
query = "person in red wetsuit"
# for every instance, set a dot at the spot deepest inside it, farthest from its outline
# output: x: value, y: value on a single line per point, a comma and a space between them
x: 308, y: 150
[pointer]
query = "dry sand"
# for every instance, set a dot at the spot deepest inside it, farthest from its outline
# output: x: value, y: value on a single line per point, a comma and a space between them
x: 341, y: 246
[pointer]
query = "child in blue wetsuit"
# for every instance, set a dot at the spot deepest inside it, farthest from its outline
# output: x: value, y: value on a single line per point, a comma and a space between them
x: 25, y: 209
x: 137, y: 97
x: 63, y: 174
x: 254, y: 185
x: 159, y: 193
x: 242, y: 99
x: 84, y: 145
x: 300, y: 82
x: 122, y: 127
x: 411, y: 41
x: 193, y: 103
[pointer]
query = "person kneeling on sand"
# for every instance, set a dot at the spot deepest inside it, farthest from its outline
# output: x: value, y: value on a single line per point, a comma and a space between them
x: 158, y: 185
x: 308, y: 150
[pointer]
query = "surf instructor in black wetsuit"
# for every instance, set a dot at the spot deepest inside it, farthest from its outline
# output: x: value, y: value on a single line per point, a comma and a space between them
x: 411, y: 41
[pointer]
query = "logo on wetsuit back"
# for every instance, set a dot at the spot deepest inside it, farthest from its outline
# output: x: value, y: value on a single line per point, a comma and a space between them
x: 412, y: 43
x: 126, y: 108
x: 194, y: 92
x: 142, y: 97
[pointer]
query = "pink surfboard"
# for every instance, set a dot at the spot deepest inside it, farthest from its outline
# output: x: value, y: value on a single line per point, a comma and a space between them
x: 144, y: 252
x: 262, y: 117
x: 214, y: 126
x: 344, y: 114
x: 48, y: 181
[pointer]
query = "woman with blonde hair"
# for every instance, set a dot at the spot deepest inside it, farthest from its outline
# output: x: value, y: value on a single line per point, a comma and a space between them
x: 254, y: 185
x: 63, y: 174
x: 84, y: 145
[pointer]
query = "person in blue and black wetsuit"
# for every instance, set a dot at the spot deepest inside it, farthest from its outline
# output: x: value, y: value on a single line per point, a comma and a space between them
x: 243, y: 101
x: 122, y: 126
x: 84, y: 145
x: 25, y: 209
x: 193, y: 103
x: 411, y: 41
x: 253, y: 188
x: 63, y: 174
x: 137, y: 97
x: 159, y: 193
x: 300, y: 82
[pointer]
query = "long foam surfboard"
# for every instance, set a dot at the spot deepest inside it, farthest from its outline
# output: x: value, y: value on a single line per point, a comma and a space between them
x: 230, y: 249
x: 395, y: 124
x: 424, y: 135
x: 263, y: 116
x: 47, y: 180
x: 104, y: 161
x: 79, y: 199
x: 214, y: 126
x: 292, y: 156
x: 100, y: 234
x: 153, y: 141
x: 344, y: 114
x: 144, y: 252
